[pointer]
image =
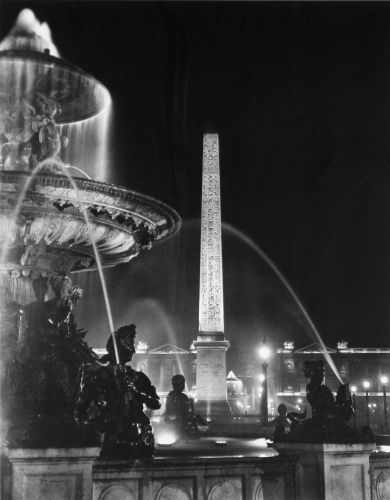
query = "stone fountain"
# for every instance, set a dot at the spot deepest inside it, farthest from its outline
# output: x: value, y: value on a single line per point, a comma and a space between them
x: 53, y: 225
x: 49, y: 234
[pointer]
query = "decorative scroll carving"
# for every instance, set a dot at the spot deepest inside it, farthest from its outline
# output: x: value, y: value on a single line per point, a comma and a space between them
x: 211, y: 315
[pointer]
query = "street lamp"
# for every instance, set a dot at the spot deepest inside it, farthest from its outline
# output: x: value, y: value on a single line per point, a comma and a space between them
x: 353, y: 390
x: 384, y: 381
x: 366, y: 385
x: 264, y: 353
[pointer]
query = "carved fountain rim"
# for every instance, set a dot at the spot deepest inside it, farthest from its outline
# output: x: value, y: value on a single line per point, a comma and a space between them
x: 120, y: 198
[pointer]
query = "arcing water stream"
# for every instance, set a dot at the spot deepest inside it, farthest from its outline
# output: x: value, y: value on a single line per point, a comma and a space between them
x: 248, y: 241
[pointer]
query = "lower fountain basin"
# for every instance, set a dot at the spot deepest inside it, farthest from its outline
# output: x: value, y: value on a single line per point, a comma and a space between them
x: 50, y: 232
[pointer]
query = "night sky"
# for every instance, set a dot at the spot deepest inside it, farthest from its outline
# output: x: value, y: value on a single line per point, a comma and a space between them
x: 300, y: 95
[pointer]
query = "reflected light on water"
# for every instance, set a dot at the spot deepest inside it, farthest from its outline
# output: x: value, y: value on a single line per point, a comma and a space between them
x: 166, y: 439
x: 164, y: 435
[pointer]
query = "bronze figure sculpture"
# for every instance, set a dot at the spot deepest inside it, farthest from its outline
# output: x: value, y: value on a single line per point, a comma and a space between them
x: 41, y: 376
x: 180, y: 411
x: 330, y: 416
x: 112, y: 399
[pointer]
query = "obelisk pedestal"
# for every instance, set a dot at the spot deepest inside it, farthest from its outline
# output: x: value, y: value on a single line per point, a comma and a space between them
x: 211, y: 345
x: 211, y: 377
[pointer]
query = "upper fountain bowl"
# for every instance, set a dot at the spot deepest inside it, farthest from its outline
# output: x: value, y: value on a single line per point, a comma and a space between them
x: 31, y: 69
x: 79, y: 95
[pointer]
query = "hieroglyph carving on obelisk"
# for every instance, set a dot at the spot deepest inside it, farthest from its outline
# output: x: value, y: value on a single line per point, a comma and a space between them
x: 211, y: 315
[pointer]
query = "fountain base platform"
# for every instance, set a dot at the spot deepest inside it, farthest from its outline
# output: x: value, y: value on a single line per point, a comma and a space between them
x: 52, y: 473
x: 326, y: 471
x: 242, y: 469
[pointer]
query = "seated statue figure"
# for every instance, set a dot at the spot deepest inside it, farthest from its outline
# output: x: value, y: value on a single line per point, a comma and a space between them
x: 112, y: 398
x: 320, y: 397
x: 285, y: 422
x: 281, y: 422
x: 180, y: 412
x: 329, y: 416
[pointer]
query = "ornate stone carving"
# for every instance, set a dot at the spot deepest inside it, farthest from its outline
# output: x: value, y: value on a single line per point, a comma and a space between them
x: 224, y: 490
x: 382, y: 485
x: 51, y: 233
x: 211, y: 315
x: 173, y: 492
x: 117, y: 492
x: 259, y: 490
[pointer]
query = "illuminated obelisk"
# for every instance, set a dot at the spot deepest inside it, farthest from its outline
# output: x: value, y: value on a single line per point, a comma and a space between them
x: 211, y: 345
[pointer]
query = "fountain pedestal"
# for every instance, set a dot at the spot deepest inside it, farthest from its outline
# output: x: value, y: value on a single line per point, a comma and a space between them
x: 326, y: 471
x: 52, y: 473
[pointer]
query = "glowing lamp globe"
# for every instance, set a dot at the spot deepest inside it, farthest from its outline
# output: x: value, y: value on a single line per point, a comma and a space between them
x: 264, y: 352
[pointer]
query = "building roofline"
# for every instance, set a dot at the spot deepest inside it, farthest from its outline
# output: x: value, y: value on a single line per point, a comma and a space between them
x: 349, y: 350
x: 174, y: 350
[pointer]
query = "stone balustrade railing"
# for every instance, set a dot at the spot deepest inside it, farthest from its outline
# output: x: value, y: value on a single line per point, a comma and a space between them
x: 80, y: 476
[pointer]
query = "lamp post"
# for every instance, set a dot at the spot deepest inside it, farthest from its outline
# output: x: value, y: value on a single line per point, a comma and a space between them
x: 366, y: 385
x: 353, y: 390
x: 264, y: 353
x: 384, y: 381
